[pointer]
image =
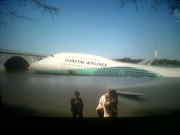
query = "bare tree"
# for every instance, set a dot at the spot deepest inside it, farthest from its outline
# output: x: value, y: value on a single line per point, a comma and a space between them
x: 172, y: 5
x: 11, y: 8
x: 155, y: 4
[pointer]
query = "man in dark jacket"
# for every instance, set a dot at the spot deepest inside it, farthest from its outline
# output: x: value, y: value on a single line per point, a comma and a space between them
x: 77, y: 105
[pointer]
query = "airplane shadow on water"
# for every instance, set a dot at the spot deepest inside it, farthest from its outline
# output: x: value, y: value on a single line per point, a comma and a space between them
x: 30, y: 94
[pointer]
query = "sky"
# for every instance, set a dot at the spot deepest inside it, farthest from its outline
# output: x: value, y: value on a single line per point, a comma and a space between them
x: 100, y: 27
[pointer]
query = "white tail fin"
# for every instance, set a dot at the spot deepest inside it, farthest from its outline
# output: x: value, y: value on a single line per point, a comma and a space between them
x: 150, y: 60
x: 156, y: 53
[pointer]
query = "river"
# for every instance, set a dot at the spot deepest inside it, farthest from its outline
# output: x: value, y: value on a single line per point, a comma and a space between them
x: 49, y: 95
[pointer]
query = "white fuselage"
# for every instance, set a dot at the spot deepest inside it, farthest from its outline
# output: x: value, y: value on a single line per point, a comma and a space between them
x: 84, y: 64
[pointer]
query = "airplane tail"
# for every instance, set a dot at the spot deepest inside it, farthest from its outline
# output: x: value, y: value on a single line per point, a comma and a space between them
x: 150, y: 60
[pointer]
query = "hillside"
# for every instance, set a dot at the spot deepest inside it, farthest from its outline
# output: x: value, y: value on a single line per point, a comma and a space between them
x: 157, y: 62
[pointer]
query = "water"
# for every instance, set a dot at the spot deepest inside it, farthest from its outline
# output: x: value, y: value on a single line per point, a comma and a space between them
x: 49, y: 95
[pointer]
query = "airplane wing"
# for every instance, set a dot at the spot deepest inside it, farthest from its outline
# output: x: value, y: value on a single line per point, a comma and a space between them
x: 127, y: 94
x: 131, y: 95
x: 146, y: 62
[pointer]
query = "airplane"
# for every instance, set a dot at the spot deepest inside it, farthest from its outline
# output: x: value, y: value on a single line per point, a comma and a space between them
x: 86, y: 64
x: 90, y: 65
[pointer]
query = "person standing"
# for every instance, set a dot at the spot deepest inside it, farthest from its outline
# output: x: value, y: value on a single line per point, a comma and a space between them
x: 108, y: 104
x: 77, y: 105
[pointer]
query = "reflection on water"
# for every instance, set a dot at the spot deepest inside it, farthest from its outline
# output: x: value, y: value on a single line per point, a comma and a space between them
x: 49, y: 95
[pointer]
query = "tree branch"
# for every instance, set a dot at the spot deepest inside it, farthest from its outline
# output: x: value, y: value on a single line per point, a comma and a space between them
x: 46, y: 7
x: 10, y: 8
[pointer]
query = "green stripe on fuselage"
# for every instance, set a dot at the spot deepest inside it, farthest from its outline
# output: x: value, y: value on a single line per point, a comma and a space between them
x: 106, y: 71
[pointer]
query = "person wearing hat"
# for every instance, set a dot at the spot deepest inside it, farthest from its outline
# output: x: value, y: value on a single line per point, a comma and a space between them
x: 77, y: 105
x: 108, y: 103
